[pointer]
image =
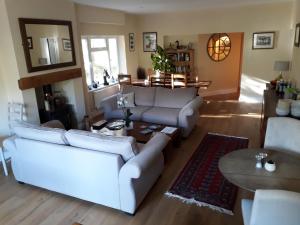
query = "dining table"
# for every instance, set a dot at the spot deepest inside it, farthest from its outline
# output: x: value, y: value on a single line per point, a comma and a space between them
x: 239, y: 168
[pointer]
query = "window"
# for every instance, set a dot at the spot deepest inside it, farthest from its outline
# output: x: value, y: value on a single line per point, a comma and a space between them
x: 218, y: 47
x: 99, y: 54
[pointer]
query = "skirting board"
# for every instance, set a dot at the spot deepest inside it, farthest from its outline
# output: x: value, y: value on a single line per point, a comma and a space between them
x: 218, y: 92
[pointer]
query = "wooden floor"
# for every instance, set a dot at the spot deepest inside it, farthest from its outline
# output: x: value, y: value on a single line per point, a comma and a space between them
x: 23, y: 204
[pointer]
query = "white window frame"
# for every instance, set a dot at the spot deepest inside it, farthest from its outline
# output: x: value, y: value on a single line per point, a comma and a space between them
x: 90, y: 50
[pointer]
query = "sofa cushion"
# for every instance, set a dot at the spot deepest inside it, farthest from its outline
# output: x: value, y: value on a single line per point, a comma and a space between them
x: 137, y: 113
x: 144, y: 96
x: 162, y: 115
x: 126, y: 100
x: 39, y: 133
x: 121, y: 145
x: 174, y: 98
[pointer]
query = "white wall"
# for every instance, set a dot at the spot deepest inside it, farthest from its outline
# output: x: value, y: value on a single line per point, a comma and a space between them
x: 115, y: 23
x: 9, y: 73
x: 296, y: 51
x: 42, y: 9
x: 3, y: 106
x: 257, y: 64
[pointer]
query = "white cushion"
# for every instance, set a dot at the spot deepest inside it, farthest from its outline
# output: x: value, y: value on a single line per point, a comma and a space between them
x: 162, y: 115
x: 128, y: 100
x: 38, y: 133
x: 137, y: 113
x: 121, y: 145
x: 174, y: 98
x: 143, y: 96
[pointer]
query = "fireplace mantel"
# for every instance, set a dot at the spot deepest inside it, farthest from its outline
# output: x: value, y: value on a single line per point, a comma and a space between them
x: 49, y: 78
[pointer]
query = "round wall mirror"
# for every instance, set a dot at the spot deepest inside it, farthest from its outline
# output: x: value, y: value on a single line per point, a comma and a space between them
x: 218, y: 46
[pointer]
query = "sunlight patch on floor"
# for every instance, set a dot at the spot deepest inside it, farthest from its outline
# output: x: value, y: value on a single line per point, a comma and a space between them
x: 230, y: 115
x: 252, y: 89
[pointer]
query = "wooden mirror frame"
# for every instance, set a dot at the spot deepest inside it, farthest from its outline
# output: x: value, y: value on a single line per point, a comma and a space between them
x: 30, y: 68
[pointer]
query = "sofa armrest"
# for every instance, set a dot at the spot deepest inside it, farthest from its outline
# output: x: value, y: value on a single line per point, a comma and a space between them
x: 141, y: 162
x: 109, y: 104
x: 191, y: 107
x: 140, y: 173
x: 188, y: 116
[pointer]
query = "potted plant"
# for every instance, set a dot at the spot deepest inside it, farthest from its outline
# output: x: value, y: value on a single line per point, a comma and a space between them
x: 161, y: 61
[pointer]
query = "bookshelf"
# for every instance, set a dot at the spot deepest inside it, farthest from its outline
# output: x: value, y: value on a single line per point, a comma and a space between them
x: 183, y: 59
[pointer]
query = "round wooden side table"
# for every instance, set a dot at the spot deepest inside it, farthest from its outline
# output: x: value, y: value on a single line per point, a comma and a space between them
x: 238, y: 167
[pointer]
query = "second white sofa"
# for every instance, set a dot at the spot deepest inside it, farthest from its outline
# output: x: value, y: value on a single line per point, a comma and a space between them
x: 174, y: 107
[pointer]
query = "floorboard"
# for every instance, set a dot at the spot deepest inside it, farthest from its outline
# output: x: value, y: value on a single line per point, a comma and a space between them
x: 27, y: 205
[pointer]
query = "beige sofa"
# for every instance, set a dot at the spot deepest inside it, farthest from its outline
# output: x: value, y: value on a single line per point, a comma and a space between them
x: 172, y: 107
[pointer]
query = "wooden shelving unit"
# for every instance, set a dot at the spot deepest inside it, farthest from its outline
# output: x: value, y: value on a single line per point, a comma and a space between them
x: 183, y: 59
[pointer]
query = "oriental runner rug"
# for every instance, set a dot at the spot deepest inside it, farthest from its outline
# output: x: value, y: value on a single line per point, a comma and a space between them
x: 201, y: 182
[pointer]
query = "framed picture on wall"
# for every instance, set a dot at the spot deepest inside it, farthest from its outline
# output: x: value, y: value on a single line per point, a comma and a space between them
x: 29, y: 42
x: 66, y: 44
x: 131, y: 42
x: 297, y: 36
x: 263, y: 40
x: 149, y: 41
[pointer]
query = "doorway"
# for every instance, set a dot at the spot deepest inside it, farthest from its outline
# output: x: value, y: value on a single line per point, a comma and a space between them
x: 225, y: 74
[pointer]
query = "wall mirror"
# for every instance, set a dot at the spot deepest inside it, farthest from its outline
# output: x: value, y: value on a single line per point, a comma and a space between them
x: 47, y: 44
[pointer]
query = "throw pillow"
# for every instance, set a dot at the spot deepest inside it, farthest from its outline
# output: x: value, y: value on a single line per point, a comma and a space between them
x: 126, y: 100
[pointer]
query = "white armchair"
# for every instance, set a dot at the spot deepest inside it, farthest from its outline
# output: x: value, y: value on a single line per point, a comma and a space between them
x: 283, y: 133
x: 272, y: 207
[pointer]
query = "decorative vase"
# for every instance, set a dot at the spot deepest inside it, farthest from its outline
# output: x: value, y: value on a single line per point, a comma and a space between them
x: 129, y: 126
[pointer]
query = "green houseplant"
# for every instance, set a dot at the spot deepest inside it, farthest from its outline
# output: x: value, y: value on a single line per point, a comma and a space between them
x: 161, y: 61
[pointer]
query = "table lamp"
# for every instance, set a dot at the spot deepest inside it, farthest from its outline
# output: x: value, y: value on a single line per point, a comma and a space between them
x: 281, y: 66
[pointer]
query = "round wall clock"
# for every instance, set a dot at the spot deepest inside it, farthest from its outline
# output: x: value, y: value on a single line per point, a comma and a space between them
x: 218, y: 46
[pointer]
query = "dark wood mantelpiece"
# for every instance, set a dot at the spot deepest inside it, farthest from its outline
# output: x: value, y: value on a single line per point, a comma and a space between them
x: 49, y: 78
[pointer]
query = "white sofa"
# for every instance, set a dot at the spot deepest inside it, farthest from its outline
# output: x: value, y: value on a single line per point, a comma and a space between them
x: 107, y: 170
x: 173, y: 107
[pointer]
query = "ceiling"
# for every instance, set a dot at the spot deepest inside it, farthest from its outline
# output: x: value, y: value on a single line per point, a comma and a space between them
x: 152, y: 6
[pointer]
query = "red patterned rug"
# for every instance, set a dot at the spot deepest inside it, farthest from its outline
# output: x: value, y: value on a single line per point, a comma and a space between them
x: 200, y: 182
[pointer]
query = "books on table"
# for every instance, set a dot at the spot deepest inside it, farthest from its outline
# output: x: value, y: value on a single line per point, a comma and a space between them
x: 169, y: 130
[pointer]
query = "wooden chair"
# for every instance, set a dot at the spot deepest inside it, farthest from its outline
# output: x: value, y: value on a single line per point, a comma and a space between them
x: 157, y: 81
x: 124, y: 79
x: 168, y: 80
x: 164, y: 80
x: 150, y: 72
x: 179, y: 80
